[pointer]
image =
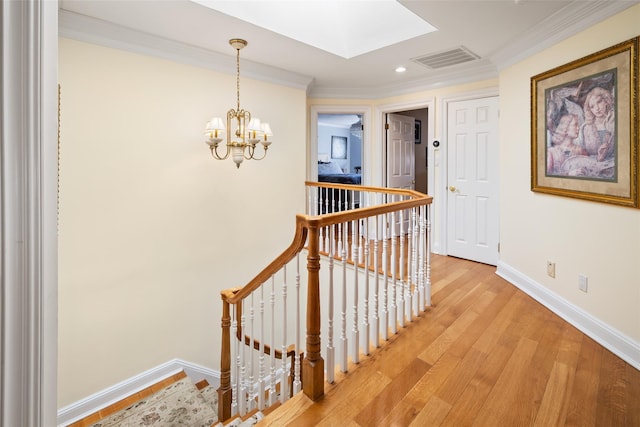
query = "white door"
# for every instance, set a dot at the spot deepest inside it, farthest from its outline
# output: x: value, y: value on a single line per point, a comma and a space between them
x: 400, y: 151
x: 401, y: 162
x: 472, y: 188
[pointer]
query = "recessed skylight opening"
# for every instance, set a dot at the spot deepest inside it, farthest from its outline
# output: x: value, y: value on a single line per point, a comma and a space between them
x: 343, y: 28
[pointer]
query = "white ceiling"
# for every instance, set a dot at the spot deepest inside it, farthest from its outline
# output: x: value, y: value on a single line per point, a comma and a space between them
x: 499, y: 32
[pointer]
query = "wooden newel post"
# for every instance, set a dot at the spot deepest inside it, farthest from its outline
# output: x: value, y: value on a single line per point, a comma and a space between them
x: 313, y: 365
x: 224, y: 391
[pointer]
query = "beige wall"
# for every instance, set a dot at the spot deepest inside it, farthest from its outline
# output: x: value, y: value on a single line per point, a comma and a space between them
x: 151, y: 227
x: 581, y: 237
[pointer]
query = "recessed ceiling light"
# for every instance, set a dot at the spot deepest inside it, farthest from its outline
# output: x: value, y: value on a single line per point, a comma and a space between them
x: 401, y: 69
x: 337, y: 26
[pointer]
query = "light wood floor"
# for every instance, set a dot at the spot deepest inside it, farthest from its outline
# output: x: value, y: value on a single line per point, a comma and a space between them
x: 486, y: 354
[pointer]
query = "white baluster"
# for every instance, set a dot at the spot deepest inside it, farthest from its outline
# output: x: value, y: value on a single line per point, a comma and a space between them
x: 421, y: 257
x: 384, y: 319
x: 242, y: 395
x: 401, y: 266
x: 375, y: 331
x: 365, y: 326
x: 355, y: 333
x: 427, y: 290
x: 414, y: 263
x: 343, y: 312
x: 330, y: 362
x: 393, y: 318
x: 235, y: 358
x: 284, y: 377
x: 261, y: 374
x: 272, y: 300
x: 297, y: 384
x: 251, y: 384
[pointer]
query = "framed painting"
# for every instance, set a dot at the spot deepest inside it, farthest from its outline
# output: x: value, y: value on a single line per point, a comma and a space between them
x: 584, y: 127
x: 338, y: 147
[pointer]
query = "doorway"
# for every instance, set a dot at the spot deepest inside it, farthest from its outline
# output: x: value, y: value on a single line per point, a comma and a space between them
x: 340, y: 143
x: 355, y: 127
x: 420, y: 148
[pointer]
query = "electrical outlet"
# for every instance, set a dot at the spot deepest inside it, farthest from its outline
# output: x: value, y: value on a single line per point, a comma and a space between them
x: 583, y: 282
x: 551, y: 269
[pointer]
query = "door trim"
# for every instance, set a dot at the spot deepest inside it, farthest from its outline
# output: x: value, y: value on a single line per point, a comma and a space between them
x: 379, y: 147
x: 439, y: 191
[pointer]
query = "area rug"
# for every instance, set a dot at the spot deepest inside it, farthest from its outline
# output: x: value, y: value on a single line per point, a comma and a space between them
x: 179, y: 404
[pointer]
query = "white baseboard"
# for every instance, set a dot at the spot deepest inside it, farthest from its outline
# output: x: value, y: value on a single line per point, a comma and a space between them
x: 607, y: 336
x: 115, y: 393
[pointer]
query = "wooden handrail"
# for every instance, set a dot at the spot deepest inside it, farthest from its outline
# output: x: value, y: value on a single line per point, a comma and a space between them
x: 305, y: 222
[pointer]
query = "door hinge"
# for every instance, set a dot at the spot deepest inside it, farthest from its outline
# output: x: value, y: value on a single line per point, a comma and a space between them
x: 386, y: 126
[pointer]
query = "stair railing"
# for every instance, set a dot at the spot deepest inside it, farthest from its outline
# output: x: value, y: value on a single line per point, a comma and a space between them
x: 374, y: 244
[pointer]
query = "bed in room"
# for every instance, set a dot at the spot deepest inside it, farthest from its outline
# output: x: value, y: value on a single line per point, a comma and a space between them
x: 331, y: 172
x: 340, y: 199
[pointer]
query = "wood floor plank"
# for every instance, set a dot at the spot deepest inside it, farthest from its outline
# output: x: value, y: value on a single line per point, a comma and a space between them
x: 415, y: 400
x: 611, y: 393
x: 394, y: 392
x: 433, y: 413
x: 466, y: 409
x: 551, y: 409
x: 632, y: 376
x: 583, y: 402
x: 505, y: 393
x: 457, y: 382
x: 435, y: 350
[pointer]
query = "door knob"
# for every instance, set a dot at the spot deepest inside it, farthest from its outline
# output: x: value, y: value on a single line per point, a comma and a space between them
x: 452, y: 189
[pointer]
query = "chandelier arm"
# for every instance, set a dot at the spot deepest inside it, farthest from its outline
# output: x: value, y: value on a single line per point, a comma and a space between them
x: 214, y: 153
x: 250, y: 150
x: 263, y: 156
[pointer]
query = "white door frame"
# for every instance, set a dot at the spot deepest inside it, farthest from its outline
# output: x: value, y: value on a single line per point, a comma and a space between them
x: 439, y: 192
x: 379, y: 149
x: 312, y: 152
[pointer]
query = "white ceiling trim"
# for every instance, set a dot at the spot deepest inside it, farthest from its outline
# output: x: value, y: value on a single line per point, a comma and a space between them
x: 91, y: 30
x: 570, y: 20
x: 479, y: 70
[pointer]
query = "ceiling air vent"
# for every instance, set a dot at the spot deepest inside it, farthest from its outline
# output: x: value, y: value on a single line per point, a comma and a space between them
x: 447, y: 58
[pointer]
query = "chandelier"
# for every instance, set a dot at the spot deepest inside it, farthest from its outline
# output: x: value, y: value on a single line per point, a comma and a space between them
x: 243, y: 132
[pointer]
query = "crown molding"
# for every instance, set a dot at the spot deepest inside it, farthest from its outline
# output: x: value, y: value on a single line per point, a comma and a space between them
x: 460, y: 74
x: 96, y: 31
x: 570, y: 20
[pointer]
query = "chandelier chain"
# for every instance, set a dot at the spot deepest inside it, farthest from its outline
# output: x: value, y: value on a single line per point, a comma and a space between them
x: 238, y: 77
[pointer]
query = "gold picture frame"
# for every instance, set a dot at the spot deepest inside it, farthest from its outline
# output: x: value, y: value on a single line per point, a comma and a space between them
x: 584, y: 127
